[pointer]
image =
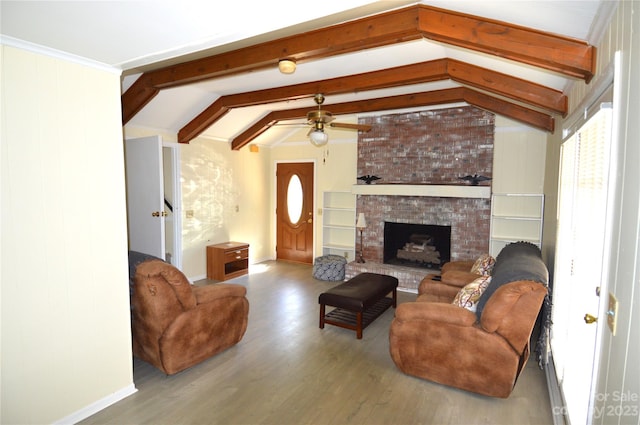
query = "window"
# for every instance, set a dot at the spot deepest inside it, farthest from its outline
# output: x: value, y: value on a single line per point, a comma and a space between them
x: 294, y: 199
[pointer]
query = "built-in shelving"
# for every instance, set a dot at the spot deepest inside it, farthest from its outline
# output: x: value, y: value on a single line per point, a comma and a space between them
x: 339, y: 224
x: 515, y: 217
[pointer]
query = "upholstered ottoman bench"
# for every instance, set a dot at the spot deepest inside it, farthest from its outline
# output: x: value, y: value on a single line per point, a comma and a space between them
x: 358, y: 301
x: 329, y: 267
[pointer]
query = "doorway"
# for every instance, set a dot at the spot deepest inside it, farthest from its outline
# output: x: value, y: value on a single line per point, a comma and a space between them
x: 582, y: 253
x: 294, y: 211
x: 153, y: 198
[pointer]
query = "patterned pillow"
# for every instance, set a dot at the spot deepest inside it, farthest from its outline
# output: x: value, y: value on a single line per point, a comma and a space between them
x: 469, y: 295
x: 483, y: 265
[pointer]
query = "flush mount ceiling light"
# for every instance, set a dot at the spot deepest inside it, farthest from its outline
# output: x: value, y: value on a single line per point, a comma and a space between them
x: 287, y: 66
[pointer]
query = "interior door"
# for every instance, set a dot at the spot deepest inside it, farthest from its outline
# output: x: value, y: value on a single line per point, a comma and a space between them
x: 145, y: 195
x: 294, y: 212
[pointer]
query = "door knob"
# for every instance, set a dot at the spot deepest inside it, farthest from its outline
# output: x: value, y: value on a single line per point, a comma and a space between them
x: 588, y: 319
x: 310, y: 220
x: 155, y: 214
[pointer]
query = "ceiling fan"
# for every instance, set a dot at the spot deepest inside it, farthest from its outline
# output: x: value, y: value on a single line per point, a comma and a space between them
x: 319, y: 118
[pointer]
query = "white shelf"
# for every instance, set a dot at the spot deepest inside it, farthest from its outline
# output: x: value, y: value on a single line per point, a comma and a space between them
x: 339, y: 247
x: 509, y: 239
x: 339, y: 224
x: 435, y: 190
x: 515, y: 217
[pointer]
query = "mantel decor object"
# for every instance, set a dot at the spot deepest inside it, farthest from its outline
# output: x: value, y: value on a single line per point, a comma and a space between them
x: 475, y: 179
x: 368, y: 179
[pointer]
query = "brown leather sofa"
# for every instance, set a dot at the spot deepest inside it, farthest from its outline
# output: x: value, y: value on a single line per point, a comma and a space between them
x: 176, y: 325
x: 483, y: 351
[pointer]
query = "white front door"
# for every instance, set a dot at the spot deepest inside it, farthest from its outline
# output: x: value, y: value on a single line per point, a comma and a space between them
x: 582, y: 253
x: 145, y: 195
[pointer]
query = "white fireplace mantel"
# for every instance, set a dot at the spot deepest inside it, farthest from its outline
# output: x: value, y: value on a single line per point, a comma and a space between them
x: 433, y: 190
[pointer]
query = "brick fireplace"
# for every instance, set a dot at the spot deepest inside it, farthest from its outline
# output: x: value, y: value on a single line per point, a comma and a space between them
x: 434, y: 147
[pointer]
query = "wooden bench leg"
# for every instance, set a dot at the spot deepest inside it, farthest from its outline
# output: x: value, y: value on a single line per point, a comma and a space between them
x: 321, y: 316
x: 359, y: 325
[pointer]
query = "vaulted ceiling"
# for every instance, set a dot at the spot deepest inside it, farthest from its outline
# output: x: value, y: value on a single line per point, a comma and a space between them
x: 513, y: 58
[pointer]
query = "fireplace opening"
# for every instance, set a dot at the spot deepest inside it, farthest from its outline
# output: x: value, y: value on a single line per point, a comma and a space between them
x: 416, y: 245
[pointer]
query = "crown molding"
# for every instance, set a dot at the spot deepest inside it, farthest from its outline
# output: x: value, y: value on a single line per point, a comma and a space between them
x: 57, y: 54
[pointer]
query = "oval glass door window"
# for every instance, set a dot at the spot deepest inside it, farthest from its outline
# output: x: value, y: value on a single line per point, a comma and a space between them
x: 294, y: 199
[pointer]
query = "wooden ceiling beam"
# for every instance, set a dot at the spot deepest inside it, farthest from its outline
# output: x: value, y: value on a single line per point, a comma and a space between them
x: 393, y: 77
x: 370, y: 105
x: 560, y: 54
x: 506, y: 85
x: 565, y: 55
x: 461, y: 94
x: 373, y: 31
x: 437, y: 70
x: 516, y: 112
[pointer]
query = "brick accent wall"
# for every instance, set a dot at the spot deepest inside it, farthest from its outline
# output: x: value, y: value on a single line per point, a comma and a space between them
x: 428, y: 147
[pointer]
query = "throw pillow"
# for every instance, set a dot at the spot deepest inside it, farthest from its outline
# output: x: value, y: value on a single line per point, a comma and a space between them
x: 468, y: 296
x: 483, y: 265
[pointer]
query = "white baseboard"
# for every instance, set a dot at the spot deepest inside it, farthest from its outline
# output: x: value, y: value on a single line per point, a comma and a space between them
x: 97, y: 406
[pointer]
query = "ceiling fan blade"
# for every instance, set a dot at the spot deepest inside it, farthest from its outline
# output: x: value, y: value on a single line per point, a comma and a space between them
x: 360, y: 127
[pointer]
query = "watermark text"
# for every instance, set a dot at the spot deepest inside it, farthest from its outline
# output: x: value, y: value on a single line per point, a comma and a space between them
x: 614, y: 404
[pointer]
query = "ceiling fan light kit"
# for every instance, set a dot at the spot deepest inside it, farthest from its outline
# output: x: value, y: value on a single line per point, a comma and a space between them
x: 287, y: 66
x: 318, y: 118
x: 318, y: 137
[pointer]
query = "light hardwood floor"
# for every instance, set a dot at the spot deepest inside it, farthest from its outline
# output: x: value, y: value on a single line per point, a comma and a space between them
x: 288, y: 371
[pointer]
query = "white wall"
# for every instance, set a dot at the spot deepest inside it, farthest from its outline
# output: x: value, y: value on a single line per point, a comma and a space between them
x: 65, y: 299
x: 518, y: 158
x: 228, y: 193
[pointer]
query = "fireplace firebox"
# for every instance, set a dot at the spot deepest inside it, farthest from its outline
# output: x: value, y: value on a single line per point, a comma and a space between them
x: 416, y: 245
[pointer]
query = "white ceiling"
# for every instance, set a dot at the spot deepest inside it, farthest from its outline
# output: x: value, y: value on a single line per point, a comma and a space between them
x: 141, y: 35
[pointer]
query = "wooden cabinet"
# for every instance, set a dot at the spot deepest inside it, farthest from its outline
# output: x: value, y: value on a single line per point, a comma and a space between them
x: 339, y: 224
x: 515, y: 217
x: 227, y: 260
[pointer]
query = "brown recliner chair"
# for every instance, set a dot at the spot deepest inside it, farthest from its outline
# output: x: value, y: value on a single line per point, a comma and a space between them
x: 453, y: 276
x: 482, y: 352
x: 176, y: 325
